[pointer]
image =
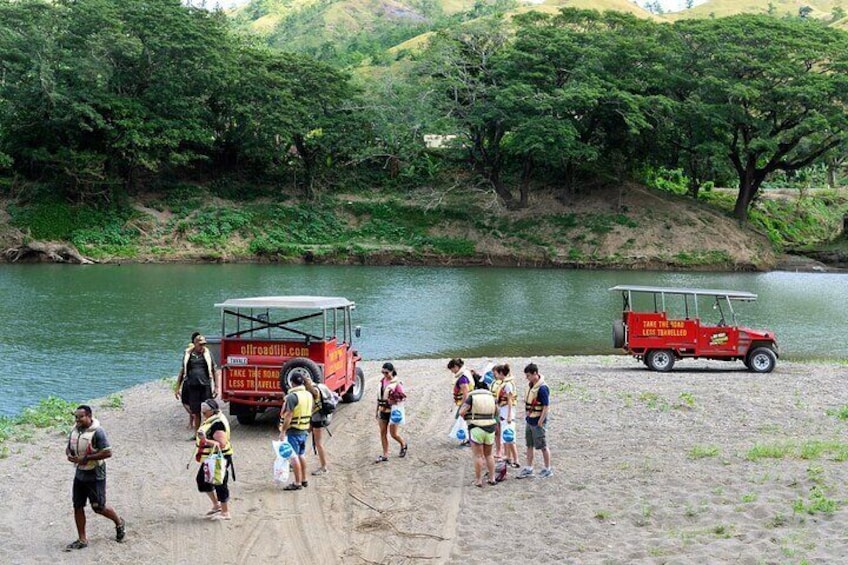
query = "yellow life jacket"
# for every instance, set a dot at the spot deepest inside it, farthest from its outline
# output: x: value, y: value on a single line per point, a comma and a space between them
x: 227, y: 448
x: 210, y: 366
x: 386, y: 392
x: 500, y: 395
x: 457, y: 390
x: 302, y: 413
x: 80, y: 444
x: 483, y: 408
x: 531, y: 401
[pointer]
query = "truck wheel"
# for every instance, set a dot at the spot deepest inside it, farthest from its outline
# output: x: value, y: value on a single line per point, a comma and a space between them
x: 355, y: 392
x: 618, y: 334
x: 299, y: 366
x: 661, y: 360
x: 761, y: 360
x: 246, y: 418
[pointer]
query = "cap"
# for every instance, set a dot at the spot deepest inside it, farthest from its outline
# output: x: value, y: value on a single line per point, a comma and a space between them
x: 201, y: 340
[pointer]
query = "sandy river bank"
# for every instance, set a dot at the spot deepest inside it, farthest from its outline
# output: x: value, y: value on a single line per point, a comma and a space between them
x: 707, y: 464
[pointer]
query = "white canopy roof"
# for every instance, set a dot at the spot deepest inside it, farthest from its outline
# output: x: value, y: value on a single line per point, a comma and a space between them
x: 293, y: 302
x: 731, y: 294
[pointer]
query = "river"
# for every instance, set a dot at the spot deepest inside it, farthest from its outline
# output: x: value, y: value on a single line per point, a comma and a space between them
x: 84, y: 332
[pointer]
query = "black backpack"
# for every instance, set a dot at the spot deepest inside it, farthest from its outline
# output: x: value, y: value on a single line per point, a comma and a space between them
x: 329, y: 400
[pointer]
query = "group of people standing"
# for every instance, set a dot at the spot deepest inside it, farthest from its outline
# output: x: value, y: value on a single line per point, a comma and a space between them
x: 489, y: 409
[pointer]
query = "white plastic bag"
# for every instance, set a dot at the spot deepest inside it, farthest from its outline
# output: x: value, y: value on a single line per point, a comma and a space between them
x: 398, y: 415
x: 281, y: 470
x: 459, y: 431
x: 214, y: 468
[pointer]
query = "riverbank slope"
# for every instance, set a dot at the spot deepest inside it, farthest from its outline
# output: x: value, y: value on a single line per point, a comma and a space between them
x: 624, y: 227
x: 707, y: 463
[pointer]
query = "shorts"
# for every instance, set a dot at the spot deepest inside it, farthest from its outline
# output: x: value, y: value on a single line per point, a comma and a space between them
x: 323, y: 423
x: 297, y: 439
x: 92, y: 491
x: 535, y: 437
x: 481, y: 436
x: 194, y: 395
x: 385, y: 416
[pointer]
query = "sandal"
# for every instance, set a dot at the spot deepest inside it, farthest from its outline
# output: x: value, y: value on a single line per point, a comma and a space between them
x: 492, y: 482
x: 304, y: 484
x: 214, y: 511
x: 403, y: 450
x: 121, y: 531
x: 515, y: 465
x: 219, y: 517
x: 381, y: 459
x: 78, y: 544
x: 478, y: 485
x: 292, y: 487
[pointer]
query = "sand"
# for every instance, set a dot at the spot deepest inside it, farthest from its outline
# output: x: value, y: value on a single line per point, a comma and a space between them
x: 649, y: 468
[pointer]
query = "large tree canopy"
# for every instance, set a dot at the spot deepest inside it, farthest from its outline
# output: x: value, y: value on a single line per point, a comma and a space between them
x: 771, y: 93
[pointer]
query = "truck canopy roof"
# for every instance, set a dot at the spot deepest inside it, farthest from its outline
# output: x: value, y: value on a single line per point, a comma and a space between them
x: 730, y: 294
x: 292, y: 302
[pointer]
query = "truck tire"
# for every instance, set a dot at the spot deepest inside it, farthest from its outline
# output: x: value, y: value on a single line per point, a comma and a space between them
x: 299, y: 366
x: 761, y: 360
x: 660, y: 360
x: 355, y: 392
x: 618, y: 334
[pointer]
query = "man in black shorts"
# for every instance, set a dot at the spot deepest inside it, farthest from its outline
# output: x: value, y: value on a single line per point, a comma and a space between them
x: 88, y: 448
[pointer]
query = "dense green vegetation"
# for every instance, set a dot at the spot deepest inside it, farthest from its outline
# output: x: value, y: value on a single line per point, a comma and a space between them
x: 101, y: 101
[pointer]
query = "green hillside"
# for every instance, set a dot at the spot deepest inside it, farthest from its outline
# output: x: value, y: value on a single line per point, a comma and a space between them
x: 821, y: 9
x: 350, y: 31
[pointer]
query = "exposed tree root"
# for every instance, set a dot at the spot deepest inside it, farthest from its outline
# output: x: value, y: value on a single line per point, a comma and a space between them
x: 45, y: 251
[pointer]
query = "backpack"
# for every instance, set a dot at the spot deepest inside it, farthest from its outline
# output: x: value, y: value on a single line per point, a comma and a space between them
x: 329, y: 400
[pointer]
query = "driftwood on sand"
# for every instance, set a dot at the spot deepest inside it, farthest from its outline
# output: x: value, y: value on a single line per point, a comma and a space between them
x: 42, y: 251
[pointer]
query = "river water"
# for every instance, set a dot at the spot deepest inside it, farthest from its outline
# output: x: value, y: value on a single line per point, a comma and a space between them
x: 84, y: 332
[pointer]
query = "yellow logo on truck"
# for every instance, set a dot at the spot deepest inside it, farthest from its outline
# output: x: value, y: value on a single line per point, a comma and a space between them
x: 718, y: 339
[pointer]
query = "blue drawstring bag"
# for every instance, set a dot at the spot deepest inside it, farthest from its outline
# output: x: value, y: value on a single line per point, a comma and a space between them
x: 508, y: 434
x: 398, y: 415
x: 283, y: 449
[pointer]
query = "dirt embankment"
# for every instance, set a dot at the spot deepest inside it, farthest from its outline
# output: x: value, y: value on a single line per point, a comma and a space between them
x: 627, y: 227
x: 709, y: 463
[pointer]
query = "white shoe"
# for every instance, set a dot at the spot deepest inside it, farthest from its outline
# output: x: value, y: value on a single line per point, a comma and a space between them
x: 545, y: 473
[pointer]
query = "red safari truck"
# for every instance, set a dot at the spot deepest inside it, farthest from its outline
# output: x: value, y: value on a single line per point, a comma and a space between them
x: 266, y: 340
x: 650, y: 332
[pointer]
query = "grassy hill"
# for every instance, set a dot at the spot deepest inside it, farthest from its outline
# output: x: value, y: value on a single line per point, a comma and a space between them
x: 821, y: 9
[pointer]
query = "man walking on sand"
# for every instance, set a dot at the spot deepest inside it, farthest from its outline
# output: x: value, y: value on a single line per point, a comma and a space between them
x: 294, y: 428
x: 536, y: 406
x: 88, y: 450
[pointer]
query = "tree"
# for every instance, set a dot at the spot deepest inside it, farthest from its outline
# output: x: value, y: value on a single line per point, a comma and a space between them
x: 460, y: 69
x: 775, y: 92
x: 587, y: 91
x: 96, y: 90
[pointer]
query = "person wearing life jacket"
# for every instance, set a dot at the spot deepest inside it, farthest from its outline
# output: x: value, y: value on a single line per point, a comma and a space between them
x: 481, y: 413
x: 294, y: 427
x: 536, y: 406
x: 212, y: 435
x: 391, y: 394
x: 198, y: 380
x: 88, y: 448
x: 503, y: 389
x: 318, y: 422
x: 463, y: 383
x: 181, y: 387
